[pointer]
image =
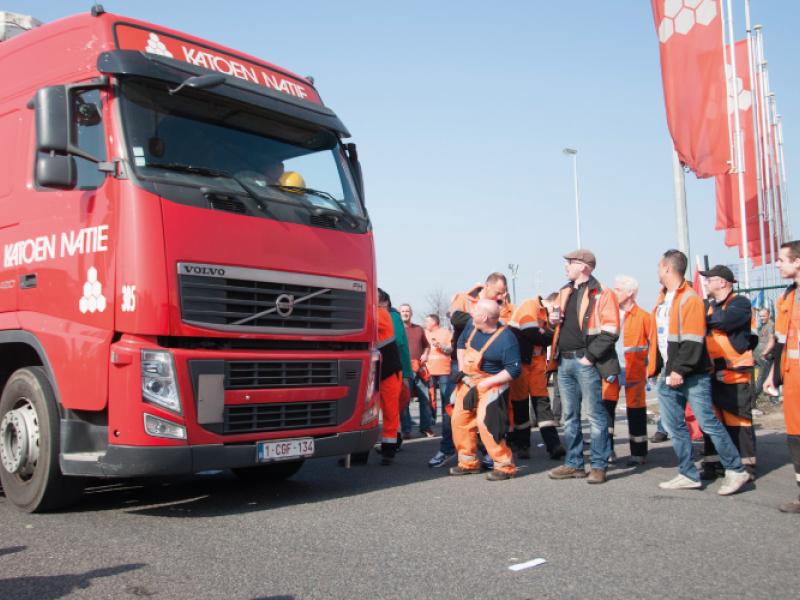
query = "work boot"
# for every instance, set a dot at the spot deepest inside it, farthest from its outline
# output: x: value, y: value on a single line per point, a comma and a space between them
x: 635, y: 461
x: 400, y: 438
x: 790, y: 507
x: 711, y: 471
x: 659, y: 437
x: 557, y: 453
x: 498, y: 475
x: 459, y: 470
x: 597, y: 476
x: 523, y: 453
x: 388, y: 450
x: 565, y: 472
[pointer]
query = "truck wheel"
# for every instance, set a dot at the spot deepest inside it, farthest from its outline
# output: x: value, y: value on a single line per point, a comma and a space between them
x: 275, y: 472
x: 29, y: 445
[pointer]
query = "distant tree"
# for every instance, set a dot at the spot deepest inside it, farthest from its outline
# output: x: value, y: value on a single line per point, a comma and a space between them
x: 438, y: 303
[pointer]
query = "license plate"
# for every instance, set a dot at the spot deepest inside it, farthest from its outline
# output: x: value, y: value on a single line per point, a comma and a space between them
x: 285, y: 449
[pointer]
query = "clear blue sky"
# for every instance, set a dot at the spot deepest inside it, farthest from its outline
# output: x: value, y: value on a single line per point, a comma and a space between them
x: 461, y: 110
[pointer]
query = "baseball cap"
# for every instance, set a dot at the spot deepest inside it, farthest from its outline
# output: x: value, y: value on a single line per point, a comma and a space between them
x: 720, y: 271
x: 583, y: 255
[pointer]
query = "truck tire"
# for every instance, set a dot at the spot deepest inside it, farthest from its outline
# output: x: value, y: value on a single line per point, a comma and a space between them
x: 29, y: 445
x: 265, y: 473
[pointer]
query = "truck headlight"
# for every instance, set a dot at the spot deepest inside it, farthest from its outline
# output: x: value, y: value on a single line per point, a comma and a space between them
x: 374, y: 363
x: 162, y: 428
x: 159, y: 383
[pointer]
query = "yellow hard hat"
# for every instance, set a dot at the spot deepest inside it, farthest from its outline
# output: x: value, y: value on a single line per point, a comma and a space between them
x: 292, y: 179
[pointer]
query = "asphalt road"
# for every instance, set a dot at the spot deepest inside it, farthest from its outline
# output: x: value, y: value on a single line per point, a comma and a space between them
x: 407, y: 531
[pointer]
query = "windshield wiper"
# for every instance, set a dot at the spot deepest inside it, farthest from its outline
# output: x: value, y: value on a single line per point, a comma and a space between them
x: 342, y: 209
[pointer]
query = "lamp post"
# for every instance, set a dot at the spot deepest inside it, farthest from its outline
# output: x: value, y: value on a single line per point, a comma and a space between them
x: 574, y: 154
x: 514, y: 269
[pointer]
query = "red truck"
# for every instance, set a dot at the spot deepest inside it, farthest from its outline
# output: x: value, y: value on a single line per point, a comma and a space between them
x: 188, y: 278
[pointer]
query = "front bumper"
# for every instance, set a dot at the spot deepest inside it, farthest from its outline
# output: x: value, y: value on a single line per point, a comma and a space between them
x: 149, y: 461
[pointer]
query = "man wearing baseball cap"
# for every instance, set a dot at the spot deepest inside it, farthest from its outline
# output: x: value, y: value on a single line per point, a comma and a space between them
x: 730, y: 335
x: 587, y: 328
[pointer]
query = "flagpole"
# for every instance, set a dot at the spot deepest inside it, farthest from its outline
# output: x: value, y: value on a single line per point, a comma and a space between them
x: 681, y: 214
x: 773, y: 125
x: 784, y: 184
x: 740, y: 165
x: 754, y: 109
x: 767, y: 171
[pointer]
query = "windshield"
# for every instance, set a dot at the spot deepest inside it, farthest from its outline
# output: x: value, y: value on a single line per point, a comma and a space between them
x: 197, y: 139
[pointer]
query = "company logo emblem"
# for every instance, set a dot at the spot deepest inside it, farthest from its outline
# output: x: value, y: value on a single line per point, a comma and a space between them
x: 156, y: 46
x: 93, y: 299
x: 680, y: 16
x: 128, y: 298
x: 284, y: 305
x: 197, y: 270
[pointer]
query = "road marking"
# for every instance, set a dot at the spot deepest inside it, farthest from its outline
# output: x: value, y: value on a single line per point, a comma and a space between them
x: 527, y: 565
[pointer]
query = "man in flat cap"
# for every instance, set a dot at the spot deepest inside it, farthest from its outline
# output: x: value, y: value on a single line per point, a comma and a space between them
x: 587, y: 328
x: 730, y: 339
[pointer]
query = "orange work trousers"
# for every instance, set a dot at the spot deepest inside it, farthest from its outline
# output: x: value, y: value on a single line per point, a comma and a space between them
x: 391, y: 390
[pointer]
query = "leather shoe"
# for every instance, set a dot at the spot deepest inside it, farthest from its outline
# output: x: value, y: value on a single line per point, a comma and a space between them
x: 498, y: 475
x: 459, y: 470
x: 790, y: 507
x: 597, y: 476
x: 565, y: 472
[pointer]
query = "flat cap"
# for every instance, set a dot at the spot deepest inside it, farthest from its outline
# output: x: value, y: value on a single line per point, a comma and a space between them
x: 583, y: 255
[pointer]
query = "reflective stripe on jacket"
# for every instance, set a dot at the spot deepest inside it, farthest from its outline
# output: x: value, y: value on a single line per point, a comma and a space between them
x: 638, y: 336
x: 686, y: 351
x: 787, y: 345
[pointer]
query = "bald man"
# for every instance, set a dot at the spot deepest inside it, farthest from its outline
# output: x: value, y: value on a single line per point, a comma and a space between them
x: 488, y: 360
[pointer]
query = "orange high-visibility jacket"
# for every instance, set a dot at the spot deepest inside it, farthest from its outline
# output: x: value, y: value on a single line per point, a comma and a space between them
x: 598, y: 314
x: 686, y: 351
x: 460, y: 311
x: 786, y: 349
x: 390, y: 354
x: 638, y: 336
x: 438, y: 361
x: 531, y: 326
x: 731, y: 364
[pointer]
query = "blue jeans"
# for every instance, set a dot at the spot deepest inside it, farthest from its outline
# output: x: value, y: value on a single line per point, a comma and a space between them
x: 420, y: 390
x: 446, y: 388
x: 575, y: 383
x: 696, y: 390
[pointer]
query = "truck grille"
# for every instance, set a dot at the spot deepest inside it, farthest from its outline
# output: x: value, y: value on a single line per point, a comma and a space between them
x: 274, y: 374
x: 274, y: 417
x: 254, y: 300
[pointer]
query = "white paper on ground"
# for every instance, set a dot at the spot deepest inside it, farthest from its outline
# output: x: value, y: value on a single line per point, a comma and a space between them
x: 527, y: 565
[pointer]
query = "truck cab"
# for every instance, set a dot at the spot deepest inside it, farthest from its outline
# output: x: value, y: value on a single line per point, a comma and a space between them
x: 188, y: 278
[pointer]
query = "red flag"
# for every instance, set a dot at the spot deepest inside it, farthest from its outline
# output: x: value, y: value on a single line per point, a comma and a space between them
x: 729, y: 215
x: 693, y: 72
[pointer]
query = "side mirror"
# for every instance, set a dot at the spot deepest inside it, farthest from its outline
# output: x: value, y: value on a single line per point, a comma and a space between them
x: 355, y: 166
x: 53, y: 126
x: 56, y: 171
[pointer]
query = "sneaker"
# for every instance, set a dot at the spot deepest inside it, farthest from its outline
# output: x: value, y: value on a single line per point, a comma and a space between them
x: 711, y: 471
x: 440, y: 459
x: 565, y: 472
x: 733, y: 482
x: 459, y: 470
x: 497, y: 475
x: 790, y: 507
x: 487, y: 463
x: 558, y: 452
x: 681, y: 482
x: 659, y: 437
x: 597, y: 476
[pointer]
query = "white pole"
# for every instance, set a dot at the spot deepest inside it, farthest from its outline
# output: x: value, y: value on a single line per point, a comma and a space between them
x: 681, y: 214
x: 767, y: 171
x: 737, y: 138
x: 754, y: 111
x: 574, y: 154
x: 784, y: 184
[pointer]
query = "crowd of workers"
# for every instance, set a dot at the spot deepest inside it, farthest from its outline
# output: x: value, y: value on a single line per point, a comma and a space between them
x: 591, y: 343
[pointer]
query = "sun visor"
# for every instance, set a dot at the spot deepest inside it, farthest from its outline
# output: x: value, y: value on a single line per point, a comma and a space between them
x: 153, y: 66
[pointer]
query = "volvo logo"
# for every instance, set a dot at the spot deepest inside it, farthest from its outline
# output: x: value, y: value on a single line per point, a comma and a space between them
x: 284, y: 305
x: 202, y: 270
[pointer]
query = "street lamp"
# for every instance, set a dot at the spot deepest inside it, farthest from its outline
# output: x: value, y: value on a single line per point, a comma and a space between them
x: 514, y: 269
x: 574, y: 153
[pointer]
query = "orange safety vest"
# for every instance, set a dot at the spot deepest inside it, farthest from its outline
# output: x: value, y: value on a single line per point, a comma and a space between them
x: 687, y: 322
x: 465, y: 301
x: 738, y: 365
x: 787, y: 323
x: 604, y: 315
x: 532, y: 314
x: 438, y: 361
x: 638, y: 335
